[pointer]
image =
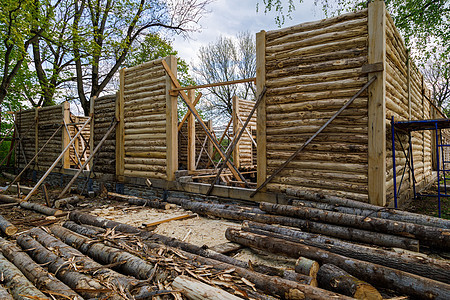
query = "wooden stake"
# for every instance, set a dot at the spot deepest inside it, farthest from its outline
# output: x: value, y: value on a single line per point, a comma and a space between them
x: 47, y: 199
x: 183, y: 217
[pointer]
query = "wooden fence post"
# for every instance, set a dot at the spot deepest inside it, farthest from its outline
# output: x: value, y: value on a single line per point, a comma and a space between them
x: 120, y: 129
x: 261, y: 111
x: 171, y: 122
x: 377, y: 105
x: 191, y: 135
x: 65, y: 135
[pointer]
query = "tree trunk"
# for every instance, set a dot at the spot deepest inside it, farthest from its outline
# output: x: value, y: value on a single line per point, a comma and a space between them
x: 87, y: 230
x: 286, y: 274
x: 20, y: 287
x: 433, y: 236
x: 4, y: 294
x: 6, y: 227
x: 381, y: 212
x: 42, y: 209
x: 327, y: 229
x: 63, y: 202
x: 33, y: 271
x: 84, y: 218
x: 8, y: 199
x: 378, y: 275
x: 84, y: 285
x: 139, y: 201
x: 306, y: 266
x: 197, y: 290
x: 335, y: 279
x: 130, y: 264
x: 424, y: 266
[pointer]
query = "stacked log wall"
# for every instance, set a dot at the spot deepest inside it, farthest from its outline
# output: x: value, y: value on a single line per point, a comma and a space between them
x: 104, y: 112
x: 144, y: 120
x: 199, y: 140
x: 243, y: 155
x: 311, y: 70
x: 80, y: 144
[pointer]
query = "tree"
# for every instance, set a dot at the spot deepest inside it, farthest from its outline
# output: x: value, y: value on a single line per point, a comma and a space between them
x: 225, y: 60
x: 103, y: 32
x: 437, y: 74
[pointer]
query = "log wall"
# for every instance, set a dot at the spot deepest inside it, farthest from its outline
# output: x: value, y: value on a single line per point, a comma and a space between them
x: 243, y: 153
x: 311, y: 70
x: 81, y: 144
x: 199, y: 140
x: 146, y: 117
x: 104, y: 112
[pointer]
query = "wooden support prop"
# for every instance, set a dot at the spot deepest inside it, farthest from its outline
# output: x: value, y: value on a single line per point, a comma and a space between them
x: 197, y: 290
x: 188, y: 113
x: 89, y: 159
x: 220, y: 140
x: 75, y: 150
x: 42, y: 209
x: 46, y: 197
x: 335, y: 279
x: 194, y: 87
x: 307, y: 266
x: 236, y: 139
x: 281, y: 168
x: 183, y: 217
x: 6, y: 227
x: 377, y: 275
x: 246, y: 130
x: 56, y: 161
x: 186, y: 100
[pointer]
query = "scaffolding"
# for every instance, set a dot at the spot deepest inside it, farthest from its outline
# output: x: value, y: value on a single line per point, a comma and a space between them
x: 420, y: 125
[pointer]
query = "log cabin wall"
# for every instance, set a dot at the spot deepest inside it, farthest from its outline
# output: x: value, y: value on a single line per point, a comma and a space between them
x: 199, y: 141
x: 310, y: 71
x: 243, y: 153
x: 146, y: 135
x: 104, y: 110
x: 39, y: 124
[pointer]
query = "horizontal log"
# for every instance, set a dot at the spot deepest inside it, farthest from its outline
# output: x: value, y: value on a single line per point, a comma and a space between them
x: 197, y: 290
x: 140, y: 201
x: 42, y: 209
x: 6, y: 226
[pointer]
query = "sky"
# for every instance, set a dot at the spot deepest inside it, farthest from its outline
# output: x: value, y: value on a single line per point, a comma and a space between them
x: 229, y: 17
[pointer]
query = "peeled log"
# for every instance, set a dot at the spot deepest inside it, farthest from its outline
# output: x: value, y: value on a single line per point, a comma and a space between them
x: 131, y: 265
x: 20, y: 287
x: 84, y: 218
x: 87, y: 287
x: 197, y: 290
x: 63, y: 202
x: 436, y: 237
x: 42, y: 209
x: 34, y: 272
x: 6, y: 227
x: 335, y: 279
x: 171, y: 242
x: 410, y: 262
x: 306, y: 266
x: 378, y: 275
x: 316, y: 227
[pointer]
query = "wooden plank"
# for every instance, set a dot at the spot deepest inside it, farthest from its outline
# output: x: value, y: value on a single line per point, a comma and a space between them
x: 194, y: 87
x: 65, y: 135
x: 261, y: 112
x: 236, y: 126
x: 120, y: 129
x: 408, y: 80
x: 191, y: 135
x: 171, y: 121
x: 377, y: 105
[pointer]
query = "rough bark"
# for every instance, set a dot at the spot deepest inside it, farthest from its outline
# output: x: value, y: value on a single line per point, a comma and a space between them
x: 63, y: 202
x: 377, y: 275
x: 34, y: 272
x: 306, y: 266
x: 20, y: 287
x: 286, y: 274
x: 84, y: 218
x: 6, y: 227
x: 8, y: 199
x: 84, y: 285
x: 409, y: 262
x: 197, y: 290
x: 436, y: 237
x: 4, y: 294
x: 335, y: 279
x: 315, y: 227
x: 42, y: 209
x: 140, y: 201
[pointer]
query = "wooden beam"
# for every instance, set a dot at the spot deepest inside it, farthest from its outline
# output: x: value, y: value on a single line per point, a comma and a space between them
x: 191, y: 135
x: 408, y: 80
x: 261, y: 150
x: 120, y: 129
x: 236, y: 127
x: 370, y: 68
x: 194, y: 87
x: 36, y: 132
x: 377, y: 105
x: 65, y: 136
x: 91, y: 128
x: 185, y: 98
x: 186, y: 116
x: 171, y: 121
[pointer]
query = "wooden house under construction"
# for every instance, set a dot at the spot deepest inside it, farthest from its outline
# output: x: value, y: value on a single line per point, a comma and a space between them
x: 356, y: 64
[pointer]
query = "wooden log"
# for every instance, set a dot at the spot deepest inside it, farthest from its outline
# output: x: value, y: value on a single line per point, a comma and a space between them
x: 4, y: 294
x: 411, y: 262
x: 140, y: 201
x: 83, y: 284
x: 84, y: 218
x: 226, y: 248
x: 380, y: 212
x: 8, y: 199
x: 6, y: 227
x: 197, y: 290
x: 432, y: 236
x: 377, y: 275
x: 307, y: 266
x: 335, y: 279
x: 42, y: 209
x: 63, y: 202
x: 34, y: 272
x: 20, y: 287
x: 328, y: 229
